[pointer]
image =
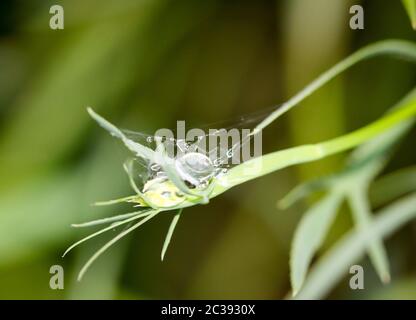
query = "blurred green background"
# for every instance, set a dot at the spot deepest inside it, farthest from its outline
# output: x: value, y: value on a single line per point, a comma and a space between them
x: 144, y: 65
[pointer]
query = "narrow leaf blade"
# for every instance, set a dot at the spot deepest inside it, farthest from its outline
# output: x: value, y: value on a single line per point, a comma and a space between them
x: 310, y: 235
x: 169, y: 234
x: 139, y: 149
x: 336, y: 262
x: 362, y: 216
x: 410, y: 6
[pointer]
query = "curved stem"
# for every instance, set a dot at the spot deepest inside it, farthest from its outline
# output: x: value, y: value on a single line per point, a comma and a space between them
x: 280, y: 159
x: 399, y: 48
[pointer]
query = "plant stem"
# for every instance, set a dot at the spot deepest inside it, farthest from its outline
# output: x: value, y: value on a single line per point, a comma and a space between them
x: 400, y: 48
x: 280, y: 159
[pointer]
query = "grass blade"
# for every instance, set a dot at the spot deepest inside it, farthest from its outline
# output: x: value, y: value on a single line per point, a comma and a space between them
x: 112, y: 241
x: 109, y: 219
x: 169, y: 234
x: 280, y: 159
x: 410, y: 6
x: 114, y: 201
x: 337, y: 261
x: 309, y: 236
x: 362, y: 216
x: 140, y: 150
x: 139, y: 215
x: 128, y: 168
x: 399, y: 48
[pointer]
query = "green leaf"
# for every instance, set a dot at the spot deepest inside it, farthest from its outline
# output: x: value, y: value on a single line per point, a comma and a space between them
x: 95, y: 256
x: 302, y: 154
x: 309, y: 236
x: 363, y: 166
x: 410, y: 6
x: 107, y: 220
x: 139, y: 149
x: 362, y: 216
x: 138, y: 215
x: 169, y: 234
x: 398, y: 48
x: 337, y: 261
x: 281, y: 159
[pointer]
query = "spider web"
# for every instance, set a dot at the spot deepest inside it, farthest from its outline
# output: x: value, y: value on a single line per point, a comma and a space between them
x: 221, y: 154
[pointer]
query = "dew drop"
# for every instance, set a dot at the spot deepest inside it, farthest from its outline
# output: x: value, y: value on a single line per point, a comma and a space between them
x: 166, y: 194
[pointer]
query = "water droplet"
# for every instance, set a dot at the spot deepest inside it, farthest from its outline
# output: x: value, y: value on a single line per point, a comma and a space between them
x: 166, y: 194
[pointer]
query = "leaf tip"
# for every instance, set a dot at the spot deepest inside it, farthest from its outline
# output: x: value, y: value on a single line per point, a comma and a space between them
x: 386, y: 278
x: 282, y: 204
x: 90, y: 111
x: 295, y: 292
